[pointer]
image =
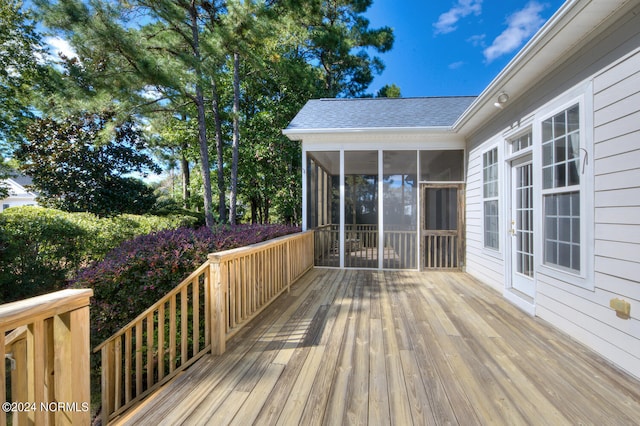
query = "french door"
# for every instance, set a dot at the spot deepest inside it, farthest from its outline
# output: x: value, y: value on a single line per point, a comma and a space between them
x: 521, y: 227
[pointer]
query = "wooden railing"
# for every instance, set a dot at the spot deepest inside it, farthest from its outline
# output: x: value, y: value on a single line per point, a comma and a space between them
x: 46, y: 340
x: 361, y: 246
x: 326, y: 245
x: 442, y: 250
x: 400, y: 249
x: 198, y: 316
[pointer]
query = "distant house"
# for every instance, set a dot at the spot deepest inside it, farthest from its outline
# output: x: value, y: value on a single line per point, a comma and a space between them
x: 19, y: 195
x: 533, y: 187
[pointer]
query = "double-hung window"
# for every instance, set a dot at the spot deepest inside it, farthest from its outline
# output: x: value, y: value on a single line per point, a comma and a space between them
x: 561, y: 189
x: 490, y: 199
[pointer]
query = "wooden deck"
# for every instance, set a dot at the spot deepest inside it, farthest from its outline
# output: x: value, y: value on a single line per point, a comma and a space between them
x: 370, y: 347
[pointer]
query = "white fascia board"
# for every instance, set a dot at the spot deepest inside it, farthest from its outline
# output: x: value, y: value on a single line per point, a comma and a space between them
x: 298, y: 134
x: 572, y: 24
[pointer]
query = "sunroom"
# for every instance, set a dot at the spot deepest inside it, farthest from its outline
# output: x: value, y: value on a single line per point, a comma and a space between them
x: 383, y: 181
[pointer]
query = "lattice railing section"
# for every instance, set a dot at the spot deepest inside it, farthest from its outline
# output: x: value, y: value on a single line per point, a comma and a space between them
x: 198, y: 316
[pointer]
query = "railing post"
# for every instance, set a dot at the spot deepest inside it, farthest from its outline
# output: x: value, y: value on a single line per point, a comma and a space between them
x: 108, y: 380
x: 19, y: 378
x: 80, y: 361
x: 218, y: 300
x: 3, y: 392
x: 289, y: 262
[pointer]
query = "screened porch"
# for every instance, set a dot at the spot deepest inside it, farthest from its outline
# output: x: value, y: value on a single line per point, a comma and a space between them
x: 386, y: 209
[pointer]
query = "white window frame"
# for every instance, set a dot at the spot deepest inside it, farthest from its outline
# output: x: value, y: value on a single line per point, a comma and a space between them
x: 583, y: 97
x: 496, y: 198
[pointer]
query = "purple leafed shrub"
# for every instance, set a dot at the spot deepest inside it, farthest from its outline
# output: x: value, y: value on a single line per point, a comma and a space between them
x: 139, y: 272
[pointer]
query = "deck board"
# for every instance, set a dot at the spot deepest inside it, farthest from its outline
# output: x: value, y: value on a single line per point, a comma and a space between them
x: 372, y: 347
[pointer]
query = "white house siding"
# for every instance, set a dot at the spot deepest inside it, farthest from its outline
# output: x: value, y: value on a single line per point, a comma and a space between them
x: 18, y: 196
x: 586, y: 314
x: 617, y: 196
x: 610, y: 70
x: 480, y: 262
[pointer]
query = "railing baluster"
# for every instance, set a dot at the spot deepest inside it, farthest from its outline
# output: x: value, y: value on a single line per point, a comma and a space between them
x: 161, y: 344
x: 117, y: 365
x: 207, y: 306
x: 172, y: 333
x: 138, y: 358
x: 150, y: 349
x: 195, y: 293
x: 184, y: 325
x: 128, y: 372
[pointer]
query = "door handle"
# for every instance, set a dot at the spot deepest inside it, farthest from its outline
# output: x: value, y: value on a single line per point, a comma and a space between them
x: 512, y: 231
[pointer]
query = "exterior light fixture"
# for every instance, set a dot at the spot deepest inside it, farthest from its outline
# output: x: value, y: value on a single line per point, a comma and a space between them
x: 503, y: 98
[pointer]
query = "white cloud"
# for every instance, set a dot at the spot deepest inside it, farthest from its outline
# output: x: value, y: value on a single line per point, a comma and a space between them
x: 520, y: 26
x: 456, y: 65
x: 60, y: 46
x: 477, y: 40
x: 448, y: 20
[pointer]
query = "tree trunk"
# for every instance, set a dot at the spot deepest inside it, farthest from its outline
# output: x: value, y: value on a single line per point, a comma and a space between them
x: 202, y: 125
x: 186, y: 178
x: 215, y: 106
x: 236, y: 137
x: 292, y: 216
x: 254, y: 210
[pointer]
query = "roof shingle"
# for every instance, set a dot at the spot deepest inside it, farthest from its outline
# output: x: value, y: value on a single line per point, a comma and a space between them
x: 378, y: 113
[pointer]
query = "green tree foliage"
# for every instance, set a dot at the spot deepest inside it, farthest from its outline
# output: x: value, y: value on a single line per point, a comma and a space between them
x: 37, y: 253
x: 340, y: 40
x: 79, y: 165
x: 40, y: 248
x: 139, y: 58
x: 233, y: 72
x: 20, y: 72
x: 5, y: 172
x: 389, y: 91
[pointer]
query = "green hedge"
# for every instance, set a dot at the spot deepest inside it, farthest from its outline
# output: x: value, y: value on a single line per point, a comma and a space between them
x: 41, y: 249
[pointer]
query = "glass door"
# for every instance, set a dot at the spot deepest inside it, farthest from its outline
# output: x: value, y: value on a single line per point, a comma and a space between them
x: 522, y: 226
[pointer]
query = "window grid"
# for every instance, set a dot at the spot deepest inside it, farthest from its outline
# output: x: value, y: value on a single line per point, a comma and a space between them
x: 561, y: 149
x: 561, y: 189
x: 490, y: 202
x: 562, y: 230
x: 523, y: 142
x: 524, y: 218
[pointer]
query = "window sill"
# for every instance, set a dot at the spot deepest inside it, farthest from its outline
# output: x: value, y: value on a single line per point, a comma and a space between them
x: 577, y: 279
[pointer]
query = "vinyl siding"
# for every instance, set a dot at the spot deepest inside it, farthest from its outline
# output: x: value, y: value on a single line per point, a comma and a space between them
x: 586, y: 314
x: 613, y: 268
x: 488, y: 268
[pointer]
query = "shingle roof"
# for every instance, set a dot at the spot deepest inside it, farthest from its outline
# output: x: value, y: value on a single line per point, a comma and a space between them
x: 22, y: 179
x: 377, y: 113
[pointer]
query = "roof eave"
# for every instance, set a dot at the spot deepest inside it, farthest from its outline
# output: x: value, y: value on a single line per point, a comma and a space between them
x: 298, y: 134
x: 543, y: 52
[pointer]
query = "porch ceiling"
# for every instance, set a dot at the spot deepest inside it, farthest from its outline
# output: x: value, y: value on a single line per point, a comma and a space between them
x: 396, y: 348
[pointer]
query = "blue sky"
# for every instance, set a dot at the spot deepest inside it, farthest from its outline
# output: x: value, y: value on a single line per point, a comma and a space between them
x: 453, y: 47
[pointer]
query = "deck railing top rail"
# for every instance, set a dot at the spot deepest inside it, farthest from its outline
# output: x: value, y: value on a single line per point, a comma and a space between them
x: 23, y: 312
x: 235, y: 253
